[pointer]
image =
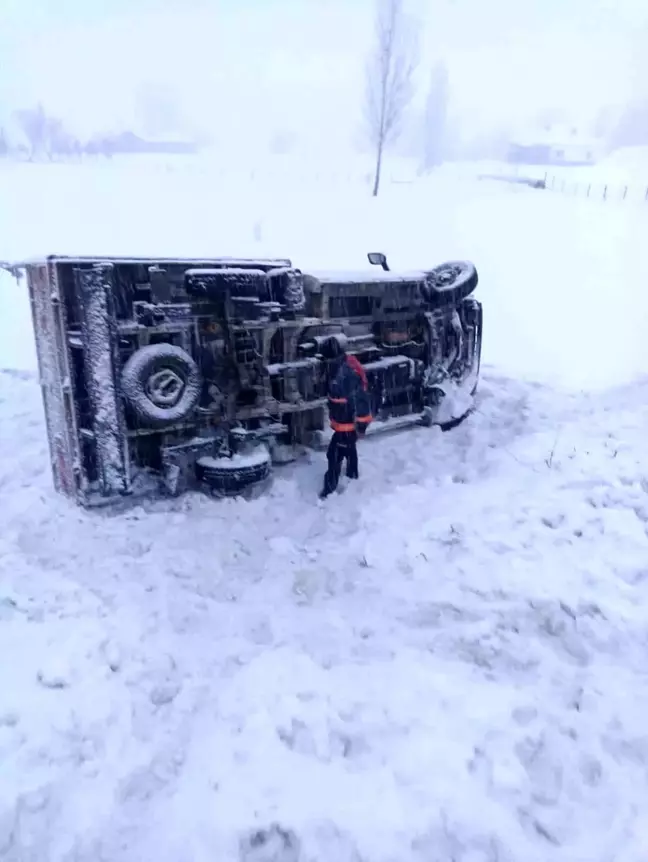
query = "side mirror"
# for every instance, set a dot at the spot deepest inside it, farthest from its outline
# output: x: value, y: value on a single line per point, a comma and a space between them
x: 377, y: 258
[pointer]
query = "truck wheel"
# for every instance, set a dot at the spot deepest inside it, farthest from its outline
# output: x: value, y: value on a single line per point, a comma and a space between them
x: 450, y: 282
x: 161, y: 384
x: 231, y: 477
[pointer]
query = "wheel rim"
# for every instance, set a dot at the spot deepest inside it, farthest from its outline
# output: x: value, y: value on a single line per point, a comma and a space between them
x: 165, y: 387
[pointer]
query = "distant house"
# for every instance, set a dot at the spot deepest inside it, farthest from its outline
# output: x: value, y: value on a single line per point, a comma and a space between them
x: 555, y: 145
x: 129, y: 142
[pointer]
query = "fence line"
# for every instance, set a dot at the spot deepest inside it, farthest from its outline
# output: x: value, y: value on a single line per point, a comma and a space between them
x: 567, y: 184
x: 596, y: 190
x: 273, y: 174
x: 214, y: 172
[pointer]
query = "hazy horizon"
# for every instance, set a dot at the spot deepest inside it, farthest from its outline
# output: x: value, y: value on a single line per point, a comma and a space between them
x: 234, y: 68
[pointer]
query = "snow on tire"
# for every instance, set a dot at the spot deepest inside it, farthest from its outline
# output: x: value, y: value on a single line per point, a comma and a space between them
x: 161, y: 384
x: 451, y: 282
x: 233, y: 476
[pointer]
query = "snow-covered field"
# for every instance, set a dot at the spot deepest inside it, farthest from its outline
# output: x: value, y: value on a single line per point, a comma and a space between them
x: 620, y: 176
x: 446, y: 662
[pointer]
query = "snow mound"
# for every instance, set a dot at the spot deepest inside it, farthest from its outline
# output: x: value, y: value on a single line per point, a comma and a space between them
x: 628, y: 163
x: 445, y: 662
x: 448, y: 661
x: 254, y: 458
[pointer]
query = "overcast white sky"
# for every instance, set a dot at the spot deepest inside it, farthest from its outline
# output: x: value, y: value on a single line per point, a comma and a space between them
x: 300, y: 62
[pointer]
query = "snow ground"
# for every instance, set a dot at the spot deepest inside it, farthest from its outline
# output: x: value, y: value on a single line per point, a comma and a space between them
x: 445, y: 662
x: 621, y: 176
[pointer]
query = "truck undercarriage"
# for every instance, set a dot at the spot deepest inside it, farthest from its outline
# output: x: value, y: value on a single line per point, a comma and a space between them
x: 162, y: 375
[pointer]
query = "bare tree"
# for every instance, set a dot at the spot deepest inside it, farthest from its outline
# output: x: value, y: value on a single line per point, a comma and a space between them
x: 46, y: 135
x: 390, y: 77
x: 435, y: 128
x: 33, y: 122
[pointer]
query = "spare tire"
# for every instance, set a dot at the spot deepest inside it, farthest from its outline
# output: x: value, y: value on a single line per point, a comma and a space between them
x: 229, y: 477
x: 161, y: 384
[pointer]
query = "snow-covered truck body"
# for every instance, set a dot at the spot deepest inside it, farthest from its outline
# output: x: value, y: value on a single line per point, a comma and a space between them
x: 162, y: 375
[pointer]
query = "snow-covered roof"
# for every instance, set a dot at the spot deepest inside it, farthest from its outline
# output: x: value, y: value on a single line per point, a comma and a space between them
x: 365, y: 276
x: 556, y: 135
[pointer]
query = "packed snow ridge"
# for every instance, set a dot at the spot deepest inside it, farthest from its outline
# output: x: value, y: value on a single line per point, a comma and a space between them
x: 447, y: 661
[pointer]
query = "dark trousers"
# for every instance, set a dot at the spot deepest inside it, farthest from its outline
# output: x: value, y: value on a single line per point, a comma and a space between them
x: 341, y: 447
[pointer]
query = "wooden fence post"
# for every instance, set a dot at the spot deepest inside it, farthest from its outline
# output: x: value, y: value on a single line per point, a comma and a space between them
x: 605, y: 193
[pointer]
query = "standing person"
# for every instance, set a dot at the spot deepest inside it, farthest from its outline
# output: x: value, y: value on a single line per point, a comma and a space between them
x: 349, y: 414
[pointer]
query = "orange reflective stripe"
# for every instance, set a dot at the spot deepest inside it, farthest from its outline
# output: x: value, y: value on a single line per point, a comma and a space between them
x: 337, y: 400
x: 366, y: 418
x: 343, y: 426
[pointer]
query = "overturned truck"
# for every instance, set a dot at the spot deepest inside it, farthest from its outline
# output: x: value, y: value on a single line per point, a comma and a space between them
x: 160, y: 376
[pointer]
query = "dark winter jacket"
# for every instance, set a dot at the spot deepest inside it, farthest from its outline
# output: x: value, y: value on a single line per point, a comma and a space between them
x: 349, y: 402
